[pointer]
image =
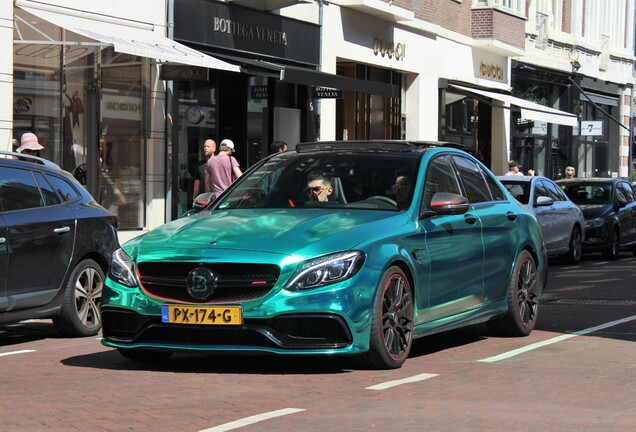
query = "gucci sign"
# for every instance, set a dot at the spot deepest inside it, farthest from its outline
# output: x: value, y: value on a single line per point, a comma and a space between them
x: 491, y: 71
x: 389, y: 49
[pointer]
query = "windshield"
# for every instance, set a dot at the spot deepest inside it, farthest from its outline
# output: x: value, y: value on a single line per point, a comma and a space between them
x: 374, y: 181
x: 596, y: 193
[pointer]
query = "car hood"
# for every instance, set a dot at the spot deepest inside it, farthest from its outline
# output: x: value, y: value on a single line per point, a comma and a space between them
x: 222, y: 233
x: 594, y: 211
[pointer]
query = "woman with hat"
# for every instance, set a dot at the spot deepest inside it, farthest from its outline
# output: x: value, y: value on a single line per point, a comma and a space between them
x: 29, y: 144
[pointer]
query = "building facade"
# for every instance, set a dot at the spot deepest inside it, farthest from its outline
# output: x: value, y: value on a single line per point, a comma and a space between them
x: 124, y: 95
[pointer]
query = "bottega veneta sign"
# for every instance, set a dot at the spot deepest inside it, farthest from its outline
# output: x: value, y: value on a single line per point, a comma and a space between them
x: 326, y: 93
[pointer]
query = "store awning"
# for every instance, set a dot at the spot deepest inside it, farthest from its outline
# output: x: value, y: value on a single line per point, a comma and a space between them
x: 126, y: 37
x: 529, y: 110
x: 312, y: 77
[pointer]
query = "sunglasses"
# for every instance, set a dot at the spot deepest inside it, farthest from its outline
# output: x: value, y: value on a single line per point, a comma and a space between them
x: 316, y: 189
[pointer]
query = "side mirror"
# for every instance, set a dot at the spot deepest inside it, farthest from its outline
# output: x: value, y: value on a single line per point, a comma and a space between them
x: 544, y: 201
x: 202, y: 201
x: 444, y: 203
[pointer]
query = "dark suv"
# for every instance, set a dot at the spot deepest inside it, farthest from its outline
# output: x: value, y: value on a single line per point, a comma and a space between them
x: 55, y: 246
x: 609, y: 208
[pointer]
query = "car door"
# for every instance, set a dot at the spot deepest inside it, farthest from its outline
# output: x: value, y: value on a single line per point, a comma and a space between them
x: 545, y: 213
x: 498, y: 220
x: 40, y: 238
x: 4, y: 303
x: 561, y: 218
x: 627, y: 212
x: 454, y: 251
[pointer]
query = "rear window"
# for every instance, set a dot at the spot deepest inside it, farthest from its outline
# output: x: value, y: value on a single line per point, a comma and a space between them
x: 63, y: 188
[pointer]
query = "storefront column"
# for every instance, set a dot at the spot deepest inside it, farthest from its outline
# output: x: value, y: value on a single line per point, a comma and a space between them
x: 421, y: 109
x: 6, y: 74
x: 500, y: 138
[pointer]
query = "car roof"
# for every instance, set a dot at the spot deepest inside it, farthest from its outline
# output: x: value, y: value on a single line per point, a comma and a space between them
x: 376, y: 146
x: 41, y: 161
x: 521, y: 179
x: 590, y: 180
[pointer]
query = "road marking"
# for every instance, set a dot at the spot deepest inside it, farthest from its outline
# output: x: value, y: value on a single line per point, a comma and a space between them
x: 253, y: 419
x: 16, y: 352
x: 555, y: 340
x: 414, y: 378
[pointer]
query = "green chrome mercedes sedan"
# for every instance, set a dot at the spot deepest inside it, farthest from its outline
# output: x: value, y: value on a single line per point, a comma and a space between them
x: 333, y: 248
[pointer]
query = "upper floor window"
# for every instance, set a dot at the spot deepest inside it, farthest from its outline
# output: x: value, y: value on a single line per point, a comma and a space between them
x: 517, y: 7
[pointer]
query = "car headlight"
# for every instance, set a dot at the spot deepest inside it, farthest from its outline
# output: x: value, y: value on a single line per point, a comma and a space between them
x: 122, y: 269
x: 326, y: 270
x: 594, y: 223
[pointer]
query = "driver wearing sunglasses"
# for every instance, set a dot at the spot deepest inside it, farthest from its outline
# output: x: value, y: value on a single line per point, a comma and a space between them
x: 318, y: 187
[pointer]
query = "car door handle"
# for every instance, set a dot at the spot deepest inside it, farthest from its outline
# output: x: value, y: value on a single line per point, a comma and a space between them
x: 512, y: 216
x: 62, y: 230
x: 469, y: 219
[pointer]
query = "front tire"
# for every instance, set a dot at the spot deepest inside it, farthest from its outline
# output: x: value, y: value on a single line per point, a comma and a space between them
x: 573, y: 256
x: 79, y: 315
x: 523, y: 300
x: 392, y: 323
x: 612, y: 250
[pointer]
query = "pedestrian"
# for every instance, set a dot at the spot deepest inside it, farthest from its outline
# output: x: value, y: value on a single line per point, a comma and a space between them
x: 222, y: 169
x: 570, y: 172
x: 200, y: 186
x: 29, y: 145
x: 278, y: 146
x: 514, y: 169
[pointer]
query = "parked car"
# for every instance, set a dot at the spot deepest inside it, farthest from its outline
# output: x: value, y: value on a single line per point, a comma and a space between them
x: 609, y: 207
x: 56, y: 243
x: 412, y: 239
x: 561, y: 220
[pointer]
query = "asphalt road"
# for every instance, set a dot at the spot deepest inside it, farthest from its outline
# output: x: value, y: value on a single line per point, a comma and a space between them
x: 575, y: 372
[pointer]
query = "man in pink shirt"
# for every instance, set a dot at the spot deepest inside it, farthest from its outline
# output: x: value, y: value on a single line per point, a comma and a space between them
x: 221, y: 169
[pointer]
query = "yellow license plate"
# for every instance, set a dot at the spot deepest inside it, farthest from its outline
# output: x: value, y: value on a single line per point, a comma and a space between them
x: 202, y: 315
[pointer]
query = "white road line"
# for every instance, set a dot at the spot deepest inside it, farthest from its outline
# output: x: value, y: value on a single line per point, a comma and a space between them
x: 253, y: 419
x: 414, y: 378
x: 16, y: 352
x: 555, y: 340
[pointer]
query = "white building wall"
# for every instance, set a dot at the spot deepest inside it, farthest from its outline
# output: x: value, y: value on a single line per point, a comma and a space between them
x: 6, y: 74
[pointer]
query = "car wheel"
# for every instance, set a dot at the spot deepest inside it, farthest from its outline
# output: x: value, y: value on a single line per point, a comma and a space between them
x: 392, y: 323
x: 79, y: 315
x: 612, y: 250
x: 523, y: 300
x: 142, y: 355
x: 576, y: 247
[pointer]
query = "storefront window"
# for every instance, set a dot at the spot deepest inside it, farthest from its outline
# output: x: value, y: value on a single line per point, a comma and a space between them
x: 122, y: 144
x: 197, y: 122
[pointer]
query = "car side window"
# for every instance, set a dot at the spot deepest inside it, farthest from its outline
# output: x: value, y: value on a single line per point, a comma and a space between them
x: 540, y: 190
x: 19, y: 190
x: 553, y: 190
x: 49, y: 195
x: 474, y: 183
x: 440, y: 177
x: 63, y: 188
x: 628, y: 192
x: 620, y: 194
x: 495, y: 190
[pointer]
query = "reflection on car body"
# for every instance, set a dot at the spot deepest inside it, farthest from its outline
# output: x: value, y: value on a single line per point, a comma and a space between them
x: 609, y: 207
x: 561, y: 220
x: 264, y: 268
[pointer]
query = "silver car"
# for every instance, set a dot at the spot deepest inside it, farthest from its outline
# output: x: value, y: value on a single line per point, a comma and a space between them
x: 561, y: 220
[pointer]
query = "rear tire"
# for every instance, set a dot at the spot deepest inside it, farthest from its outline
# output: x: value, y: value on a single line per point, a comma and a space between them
x: 79, y: 315
x: 523, y: 300
x: 392, y: 323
